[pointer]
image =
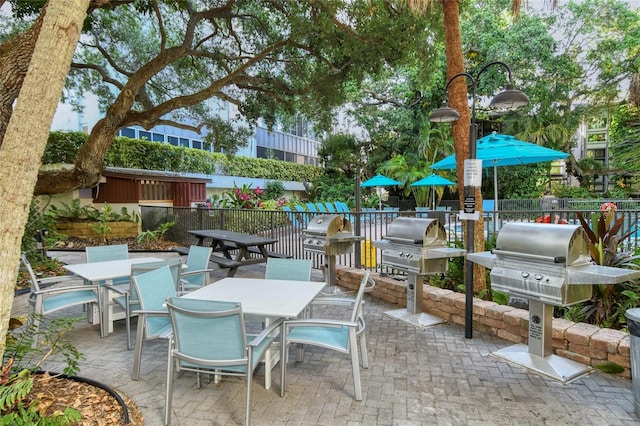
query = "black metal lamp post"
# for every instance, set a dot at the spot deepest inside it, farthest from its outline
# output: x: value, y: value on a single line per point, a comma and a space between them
x: 510, y: 98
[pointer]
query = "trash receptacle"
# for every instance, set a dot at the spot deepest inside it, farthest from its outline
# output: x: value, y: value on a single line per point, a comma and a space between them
x: 633, y: 321
x: 369, y: 256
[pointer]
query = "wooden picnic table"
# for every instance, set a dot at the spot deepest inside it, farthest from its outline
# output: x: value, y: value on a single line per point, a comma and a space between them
x: 229, y: 241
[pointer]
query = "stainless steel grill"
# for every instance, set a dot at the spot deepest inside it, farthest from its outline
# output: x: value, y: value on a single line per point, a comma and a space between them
x: 548, y: 264
x: 331, y: 235
x: 417, y: 246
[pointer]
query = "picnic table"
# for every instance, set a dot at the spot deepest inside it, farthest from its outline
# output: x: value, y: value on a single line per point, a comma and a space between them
x: 250, y: 249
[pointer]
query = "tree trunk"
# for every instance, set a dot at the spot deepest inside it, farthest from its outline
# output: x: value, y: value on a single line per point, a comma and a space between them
x: 27, y: 133
x: 15, y: 56
x: 458, y: 100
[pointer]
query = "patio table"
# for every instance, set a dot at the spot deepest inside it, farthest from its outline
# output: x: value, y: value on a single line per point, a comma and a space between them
x: 268, y: 299
x: 104, y: 273
x: 227, y: 241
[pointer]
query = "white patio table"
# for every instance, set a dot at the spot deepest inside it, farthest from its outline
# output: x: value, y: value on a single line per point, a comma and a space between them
x: 259, y: 297
x: 105, y: 273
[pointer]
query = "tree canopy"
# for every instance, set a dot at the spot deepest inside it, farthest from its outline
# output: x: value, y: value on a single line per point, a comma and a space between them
x: 166, y: 62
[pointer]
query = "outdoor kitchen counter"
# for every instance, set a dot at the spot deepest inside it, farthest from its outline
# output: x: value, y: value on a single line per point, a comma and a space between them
x: 251, y: 249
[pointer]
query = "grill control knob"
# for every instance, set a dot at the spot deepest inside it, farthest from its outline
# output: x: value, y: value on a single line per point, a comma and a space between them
x: 538, y: 277
x: 525, y: 275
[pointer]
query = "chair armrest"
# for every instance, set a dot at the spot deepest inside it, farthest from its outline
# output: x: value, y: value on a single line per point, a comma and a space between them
x: 257, y: 340
x: 61, y: 290
x: 332, y: 300
x: 197, y: 272
x: 311, y: 322
x: 58, y: 279
x: 150, y: 313
x: 118, y: 289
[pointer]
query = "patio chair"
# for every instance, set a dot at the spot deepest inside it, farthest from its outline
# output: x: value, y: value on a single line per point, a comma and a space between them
x: 321, y: 208
x: 304, y: 216
x: 288, y: 269
x: 312, y: 207
x: 338, y: 335
x: 197, y: 273
x: 330, y: 207
x: 292, y: 217
x: 209, y: 336
x: 44, y: 301
x: 107, y: 253
x: 128, y: 298
x: 153, y: 288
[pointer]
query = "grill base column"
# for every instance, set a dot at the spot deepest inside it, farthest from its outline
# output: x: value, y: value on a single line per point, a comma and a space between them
x: 538, y: 354
x: 413, y: 313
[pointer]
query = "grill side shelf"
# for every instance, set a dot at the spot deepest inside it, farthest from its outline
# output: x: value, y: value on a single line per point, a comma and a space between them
x: 551, y: 259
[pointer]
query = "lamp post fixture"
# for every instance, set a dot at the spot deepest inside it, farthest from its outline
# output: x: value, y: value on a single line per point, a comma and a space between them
x: 510, y: 98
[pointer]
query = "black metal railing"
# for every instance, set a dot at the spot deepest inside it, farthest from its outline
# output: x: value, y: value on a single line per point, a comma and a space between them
x: 286, y: 227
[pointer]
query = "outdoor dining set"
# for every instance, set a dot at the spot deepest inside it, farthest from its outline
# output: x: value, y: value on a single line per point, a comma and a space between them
x: 226, y: 328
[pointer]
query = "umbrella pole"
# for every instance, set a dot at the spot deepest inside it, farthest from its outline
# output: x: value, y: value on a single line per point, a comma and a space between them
x: 495, y: 195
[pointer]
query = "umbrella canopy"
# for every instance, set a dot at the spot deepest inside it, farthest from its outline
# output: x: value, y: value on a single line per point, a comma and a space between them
x: 504, y: 150
x: 379, y: 181
x: 433, y: 180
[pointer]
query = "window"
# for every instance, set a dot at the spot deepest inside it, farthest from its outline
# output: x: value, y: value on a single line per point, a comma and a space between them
x: 144, y: 135
x: 173, y: 140
x: 158, y: 137
x: 196, y: 144
x: 184, y: 142
x: 128, y: 132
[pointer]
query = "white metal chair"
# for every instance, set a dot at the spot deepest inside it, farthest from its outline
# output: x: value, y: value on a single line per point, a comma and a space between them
x: 44, y: 301
x: 153, y: 289
x: 197, y: 273
x: 128, y: 298
x: 209, y: 336
x: 338, y: 335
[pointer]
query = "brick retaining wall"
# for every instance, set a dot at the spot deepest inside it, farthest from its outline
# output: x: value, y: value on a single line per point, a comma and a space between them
x: 584, y: 343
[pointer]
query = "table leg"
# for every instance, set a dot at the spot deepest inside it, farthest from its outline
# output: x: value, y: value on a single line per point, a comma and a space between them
x: 271, y: 358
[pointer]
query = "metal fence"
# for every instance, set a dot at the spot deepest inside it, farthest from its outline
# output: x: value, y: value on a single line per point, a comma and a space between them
x: 286, y: 227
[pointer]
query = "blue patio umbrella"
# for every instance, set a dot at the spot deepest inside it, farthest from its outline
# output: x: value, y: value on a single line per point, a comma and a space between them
x: 379, y: 181
x: 504, y: 150
x: 433, y: 180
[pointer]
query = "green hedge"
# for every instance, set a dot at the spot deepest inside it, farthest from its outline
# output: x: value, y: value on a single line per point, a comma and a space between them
x: 62, y: 147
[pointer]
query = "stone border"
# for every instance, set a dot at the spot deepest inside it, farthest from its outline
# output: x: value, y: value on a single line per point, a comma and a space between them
x: 584, y: 343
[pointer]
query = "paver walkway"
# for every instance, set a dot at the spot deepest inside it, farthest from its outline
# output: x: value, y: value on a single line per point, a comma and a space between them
x: 430, y: 376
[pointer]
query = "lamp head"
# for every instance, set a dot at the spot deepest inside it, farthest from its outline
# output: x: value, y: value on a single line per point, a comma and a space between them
x: 510, y: 99
x: 444, y: 114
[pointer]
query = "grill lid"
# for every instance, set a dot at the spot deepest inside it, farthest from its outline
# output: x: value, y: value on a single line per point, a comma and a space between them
x: 416, y: 230
x: 328, y: 224
x: 554, y: 243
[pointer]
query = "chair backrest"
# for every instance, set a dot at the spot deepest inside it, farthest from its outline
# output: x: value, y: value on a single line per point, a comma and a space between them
x: 32, y: 276
x: 197, y: 260
x: 106, y: 253
x: 330, y: 207
x: 288, y: 269
x: 311, y: 207
x: 367, y: 284
x: 224, y: 342
x: 299, y: 208
x: 153, y: 289
x: 175, y: 267
x: 341, y: 206
x: 321, y: 208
